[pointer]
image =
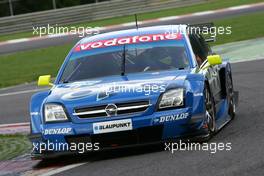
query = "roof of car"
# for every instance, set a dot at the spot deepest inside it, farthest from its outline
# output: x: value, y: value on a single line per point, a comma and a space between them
x: 134, y: 32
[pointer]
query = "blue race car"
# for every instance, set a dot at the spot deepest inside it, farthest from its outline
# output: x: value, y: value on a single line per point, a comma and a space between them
x: 133, y: 87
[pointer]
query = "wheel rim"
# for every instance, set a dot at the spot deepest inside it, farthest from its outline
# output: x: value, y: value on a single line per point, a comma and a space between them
x: 210, y: 115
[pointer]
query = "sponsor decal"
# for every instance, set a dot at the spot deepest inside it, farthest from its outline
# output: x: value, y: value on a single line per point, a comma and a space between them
x: 170, y: 118
x: 57, y: 131
x: 112, y: 126
x: 128, y: 40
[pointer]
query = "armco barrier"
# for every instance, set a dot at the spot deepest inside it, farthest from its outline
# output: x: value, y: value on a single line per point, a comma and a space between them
x: 89, y: 12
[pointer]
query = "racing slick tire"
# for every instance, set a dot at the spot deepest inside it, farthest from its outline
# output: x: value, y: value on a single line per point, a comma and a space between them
x: 210, y: 112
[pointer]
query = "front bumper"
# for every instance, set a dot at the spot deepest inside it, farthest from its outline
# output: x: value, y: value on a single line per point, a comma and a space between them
x: 160, y: 126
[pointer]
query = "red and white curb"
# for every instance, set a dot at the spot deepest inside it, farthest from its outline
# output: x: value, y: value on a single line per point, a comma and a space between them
x: 17, y: 165
x: 14, y: 128
x: 23, y: 165
x: 204, y: 13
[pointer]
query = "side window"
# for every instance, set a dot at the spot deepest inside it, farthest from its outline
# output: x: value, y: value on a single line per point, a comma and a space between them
x: 204, y: 45
x: 200, y: 47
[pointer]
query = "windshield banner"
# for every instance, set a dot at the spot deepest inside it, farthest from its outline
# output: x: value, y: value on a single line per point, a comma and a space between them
x: 127, y: 40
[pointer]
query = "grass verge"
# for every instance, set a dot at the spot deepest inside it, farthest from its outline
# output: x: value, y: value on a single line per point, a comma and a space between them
x: 27, y: 66
x: 210, y: 5
x: 243, y: 28
x: 12, y: 146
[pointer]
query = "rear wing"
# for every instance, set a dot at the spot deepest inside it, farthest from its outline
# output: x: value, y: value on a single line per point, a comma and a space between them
x: 204, y: 29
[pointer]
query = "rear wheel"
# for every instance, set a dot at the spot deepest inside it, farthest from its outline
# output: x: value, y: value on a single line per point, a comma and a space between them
x: 230, y: 96
x: 210, y: 112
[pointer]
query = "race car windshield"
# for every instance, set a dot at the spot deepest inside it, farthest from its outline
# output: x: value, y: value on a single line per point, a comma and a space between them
x: 141, y: 57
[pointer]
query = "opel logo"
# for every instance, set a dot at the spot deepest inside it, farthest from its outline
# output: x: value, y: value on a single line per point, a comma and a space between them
x: 111, y: 110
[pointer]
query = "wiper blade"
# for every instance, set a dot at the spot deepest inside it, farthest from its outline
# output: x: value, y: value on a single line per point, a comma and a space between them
x: 123, y: 66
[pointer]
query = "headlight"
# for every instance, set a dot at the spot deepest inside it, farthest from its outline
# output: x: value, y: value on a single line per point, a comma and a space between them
x: 54, y: 112
x: 172, y: 98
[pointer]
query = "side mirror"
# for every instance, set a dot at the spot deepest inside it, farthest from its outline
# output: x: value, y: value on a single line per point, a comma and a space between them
x: 214, y: 60
x: 44, y: 80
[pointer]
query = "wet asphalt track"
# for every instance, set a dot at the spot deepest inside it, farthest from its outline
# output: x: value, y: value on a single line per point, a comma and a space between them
x: 246, y: 133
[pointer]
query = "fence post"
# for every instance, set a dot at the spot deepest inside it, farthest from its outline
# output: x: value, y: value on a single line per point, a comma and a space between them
x: 11, y: 8
x: 54, y: 4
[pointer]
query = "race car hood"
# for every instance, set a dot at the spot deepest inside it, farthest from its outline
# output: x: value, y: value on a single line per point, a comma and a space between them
x: 117, y: 88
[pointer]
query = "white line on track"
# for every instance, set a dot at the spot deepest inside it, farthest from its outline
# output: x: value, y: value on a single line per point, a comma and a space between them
x: 101, y: 28
x: 246, y: 60
x: 18, y: 40
x: 14, y: 124
x: 57, y: 35
x: 203, y: 13
x: 62, y: 169
x: 131, y: 24
x: 239, y: 7
x: 169, y: 18
x: 22, y: 92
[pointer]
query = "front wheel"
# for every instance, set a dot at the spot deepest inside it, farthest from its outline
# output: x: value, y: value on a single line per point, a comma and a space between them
x: 210, y: 112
